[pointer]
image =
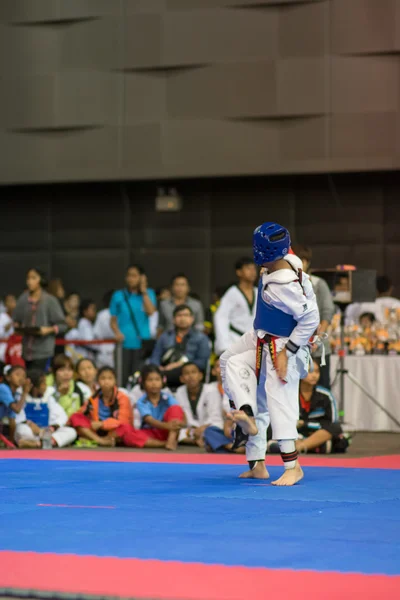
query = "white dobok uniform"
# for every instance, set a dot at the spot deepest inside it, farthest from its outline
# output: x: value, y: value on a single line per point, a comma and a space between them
x: 233, y: 317
x: 54, y: 414
x: 280, y: 292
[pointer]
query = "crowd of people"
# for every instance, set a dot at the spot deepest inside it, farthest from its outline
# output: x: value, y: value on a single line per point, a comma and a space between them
x: 59, y: 386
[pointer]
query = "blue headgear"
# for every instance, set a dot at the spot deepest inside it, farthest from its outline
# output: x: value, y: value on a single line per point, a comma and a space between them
x: 270, y: 242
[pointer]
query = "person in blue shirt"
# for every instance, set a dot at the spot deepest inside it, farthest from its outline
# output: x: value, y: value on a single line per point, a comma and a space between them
x: 130, y: 310
x: 161, y: 416
x: 11, y: 400
x: 180, y: 345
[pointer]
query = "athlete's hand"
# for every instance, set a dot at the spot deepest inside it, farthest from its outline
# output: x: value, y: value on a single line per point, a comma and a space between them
x: 281, y: 364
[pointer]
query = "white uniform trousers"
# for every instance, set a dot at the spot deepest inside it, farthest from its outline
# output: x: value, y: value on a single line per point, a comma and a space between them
x: 63, y: 436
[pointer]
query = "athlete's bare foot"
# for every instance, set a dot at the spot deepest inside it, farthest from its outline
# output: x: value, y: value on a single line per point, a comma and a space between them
x: 29, y: 444
x: 259, y: 472
x: 107, y: 441
x: 290, y: 476
x: 248, y: 424
x: 171, y: 445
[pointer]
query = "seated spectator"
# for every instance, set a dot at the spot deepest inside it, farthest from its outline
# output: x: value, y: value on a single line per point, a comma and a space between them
x: 6, y: 323
x: 106, y: 418
x: 42, y: 411
x: 217, y: 439
x: 102, y: 331
x: 180, y: 345
x: 237, y: 309
x: 84, y: 331
x: 180, y: 290
x: 318, y: 425
x: 163, y: 293
x: 70, y: 394
x: 161, y: 416
x: 201, y: 404
x: 367, y: 320
x: 13, y: 392
x: 86, y: 374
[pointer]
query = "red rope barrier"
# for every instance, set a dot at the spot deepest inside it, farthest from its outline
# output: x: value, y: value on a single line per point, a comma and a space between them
x: 62, y: 342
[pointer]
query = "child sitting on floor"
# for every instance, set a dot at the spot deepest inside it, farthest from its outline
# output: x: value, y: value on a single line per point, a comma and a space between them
x: 162, y: 417
x: 107, y: 418
x: 70, y: 394
x: 42, y: 411
x: 201, y: 404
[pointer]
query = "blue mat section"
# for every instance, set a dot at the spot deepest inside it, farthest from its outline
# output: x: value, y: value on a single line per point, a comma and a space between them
x: 336, y: 519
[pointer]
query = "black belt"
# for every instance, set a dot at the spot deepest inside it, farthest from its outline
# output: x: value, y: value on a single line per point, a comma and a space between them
x: 232, y: 328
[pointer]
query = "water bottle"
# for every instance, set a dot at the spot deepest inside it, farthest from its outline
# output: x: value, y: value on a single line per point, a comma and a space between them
x: 47, y: 439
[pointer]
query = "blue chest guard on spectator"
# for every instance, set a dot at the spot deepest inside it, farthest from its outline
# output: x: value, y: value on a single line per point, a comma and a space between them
x: 38, y: 412
x: 271, y: 319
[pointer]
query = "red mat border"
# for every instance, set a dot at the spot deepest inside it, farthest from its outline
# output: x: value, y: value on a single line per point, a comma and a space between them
x: 128, y: 577
x: 371, y: 462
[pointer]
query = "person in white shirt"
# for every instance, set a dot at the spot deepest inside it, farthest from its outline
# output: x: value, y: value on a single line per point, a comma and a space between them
x: 384, y: 303
x: 6, y: 323
x: 287, y: 317
x: 237, y: 309
x: 201, y: 404
x: 102, y: 331
x: 42, y: 410
x: 84, y: 331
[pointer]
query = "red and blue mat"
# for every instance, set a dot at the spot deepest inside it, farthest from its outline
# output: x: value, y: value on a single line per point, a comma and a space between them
x: 163, y: 526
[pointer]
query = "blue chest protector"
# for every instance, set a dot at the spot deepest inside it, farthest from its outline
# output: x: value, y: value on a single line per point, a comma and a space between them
x: 270, y: 319
x: 38, y: 412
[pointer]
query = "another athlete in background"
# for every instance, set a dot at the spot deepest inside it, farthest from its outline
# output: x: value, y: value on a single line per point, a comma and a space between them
x: 287, y: 317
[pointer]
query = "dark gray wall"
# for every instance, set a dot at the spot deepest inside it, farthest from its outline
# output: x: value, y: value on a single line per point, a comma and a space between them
x: 135, y: 89
x: 88, y: 233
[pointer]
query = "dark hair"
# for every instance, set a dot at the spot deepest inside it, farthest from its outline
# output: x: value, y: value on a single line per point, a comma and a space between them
x: 138, y: 268
x: 84, y: 306
x: 81, y: 360
x: 370, y: 316
x: 107, y: 298
x: 242, y: 262
x: 60, y: 361
x: 36, y: 376
x: 181, y: 308
x: 383, y: 284
x: 303, y: 252
x: 106, y: 369
x: 43, y: 279
x: 179, y: 276
x: 148, y: 370
x: 190, y: 363
x: 8, y: 369
x: 54, y: 285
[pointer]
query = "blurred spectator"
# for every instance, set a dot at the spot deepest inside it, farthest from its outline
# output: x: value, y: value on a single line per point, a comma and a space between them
x: 6, y: 323
x: 237, y: 309
x: 180, y: 290
x: 383, y: 304
x: 130, y: 310
x: 318, y: 425
x: 367, y: 320
x: 161, y: 416
x: 102, y: 331
x: 70, y: 394
x: 13, y: 393
x: 86, y: 373
x: 163, y: 293
x: 42, y: 411
x: 211, y: 310
x: 106, y: 419
x: 71, y: 308
x: 84, y: 331
x: 201, y: 404
x: 56, y: 289
x: 326, y: 309
x: 179, y: 345
x: 40, y: 318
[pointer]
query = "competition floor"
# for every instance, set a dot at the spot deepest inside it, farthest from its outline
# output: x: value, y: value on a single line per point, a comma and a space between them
x: 183, y: 526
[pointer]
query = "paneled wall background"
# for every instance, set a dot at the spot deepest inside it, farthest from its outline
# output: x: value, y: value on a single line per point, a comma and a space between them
x: 137, y: 89
x: 88, y: 233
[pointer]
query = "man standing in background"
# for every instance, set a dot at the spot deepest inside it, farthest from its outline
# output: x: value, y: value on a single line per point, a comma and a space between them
x: 326, y: 309
x: 237, y: 310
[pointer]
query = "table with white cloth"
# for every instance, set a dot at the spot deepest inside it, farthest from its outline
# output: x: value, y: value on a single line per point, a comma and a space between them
x: 380, y: 376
